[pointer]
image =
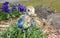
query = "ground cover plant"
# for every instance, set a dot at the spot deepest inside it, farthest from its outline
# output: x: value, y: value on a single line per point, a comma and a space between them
x: 14, y: 32
x: 8, y: 11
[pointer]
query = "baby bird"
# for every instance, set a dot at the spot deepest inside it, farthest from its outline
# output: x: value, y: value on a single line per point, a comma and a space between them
x: 30, y: 10
x: 26, y: 20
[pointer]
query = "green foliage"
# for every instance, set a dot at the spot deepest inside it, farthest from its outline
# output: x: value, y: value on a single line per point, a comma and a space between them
x: 4, y: 15
x: 14, y: 32
x: 15, y: 14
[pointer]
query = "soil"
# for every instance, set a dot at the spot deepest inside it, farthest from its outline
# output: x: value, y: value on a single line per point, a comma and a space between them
x: 51, y: 33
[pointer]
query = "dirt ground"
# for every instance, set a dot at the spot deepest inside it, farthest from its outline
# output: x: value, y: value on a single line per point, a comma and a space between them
x: 51, y: 33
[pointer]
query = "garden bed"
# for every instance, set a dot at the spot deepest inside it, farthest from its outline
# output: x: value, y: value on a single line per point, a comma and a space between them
x: 14, y: 32
x: 11, y: 30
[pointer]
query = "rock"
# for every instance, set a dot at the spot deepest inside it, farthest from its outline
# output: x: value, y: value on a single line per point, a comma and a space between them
x: 43, y: 11
x: 58, y: 31
x: 54, y: 20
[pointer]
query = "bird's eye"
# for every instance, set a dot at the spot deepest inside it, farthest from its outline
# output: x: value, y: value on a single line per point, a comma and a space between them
x: 28, y: 10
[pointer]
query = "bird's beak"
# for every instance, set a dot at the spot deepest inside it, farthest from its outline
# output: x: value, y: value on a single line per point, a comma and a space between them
x: 33, y: 13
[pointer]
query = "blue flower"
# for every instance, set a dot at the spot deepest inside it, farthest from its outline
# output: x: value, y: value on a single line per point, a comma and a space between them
x: 8, y: 11
x: 5, y: 7
x: 13, y: 7
x: 21, y: 8
x: 20, y: 23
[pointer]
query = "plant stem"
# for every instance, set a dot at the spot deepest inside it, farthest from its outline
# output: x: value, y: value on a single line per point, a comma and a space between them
x: 24, y: 34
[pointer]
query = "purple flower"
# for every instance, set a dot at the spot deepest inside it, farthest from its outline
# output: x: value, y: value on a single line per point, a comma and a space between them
x: 6, y: 3
x: 5, y: 7
x: 21, y: 8
x: 13, y: 7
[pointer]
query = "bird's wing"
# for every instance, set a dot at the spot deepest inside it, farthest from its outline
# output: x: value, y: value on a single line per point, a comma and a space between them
x: 38, y: 21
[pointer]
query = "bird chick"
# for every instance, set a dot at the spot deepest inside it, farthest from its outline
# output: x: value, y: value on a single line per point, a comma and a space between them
x: 30, y: 10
